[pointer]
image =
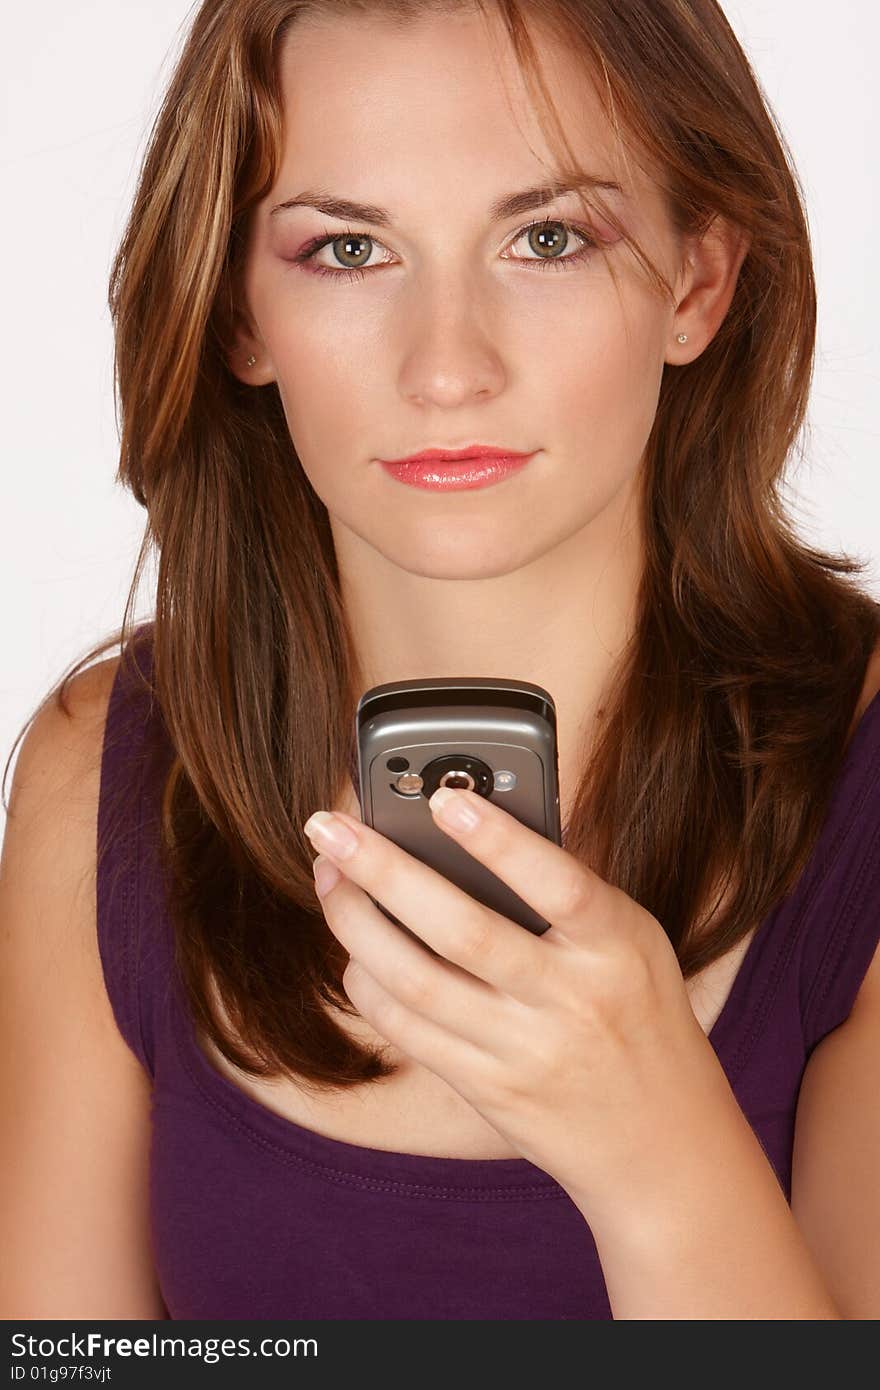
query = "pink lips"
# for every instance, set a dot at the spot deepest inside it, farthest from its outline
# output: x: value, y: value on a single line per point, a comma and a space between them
x: 443, y: 470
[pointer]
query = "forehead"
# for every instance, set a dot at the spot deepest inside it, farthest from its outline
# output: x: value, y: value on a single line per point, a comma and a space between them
x: 435, y: 103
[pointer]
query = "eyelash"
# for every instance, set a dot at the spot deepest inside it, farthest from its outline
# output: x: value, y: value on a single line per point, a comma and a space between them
x: 358, y: 272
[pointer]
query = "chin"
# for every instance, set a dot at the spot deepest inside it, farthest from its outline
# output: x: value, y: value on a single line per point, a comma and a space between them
x: 479, y: 560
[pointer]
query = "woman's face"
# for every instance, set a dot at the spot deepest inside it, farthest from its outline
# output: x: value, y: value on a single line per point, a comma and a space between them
x: 456, y: 331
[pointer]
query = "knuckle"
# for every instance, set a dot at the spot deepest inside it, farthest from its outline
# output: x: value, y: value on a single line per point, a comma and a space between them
x: 621, y: 979
x: 574, y: 893
x: 413, y: 989
x: 609, y: 976
x: 525, y: 968
x: 489, y: 937
x: 477, y: 937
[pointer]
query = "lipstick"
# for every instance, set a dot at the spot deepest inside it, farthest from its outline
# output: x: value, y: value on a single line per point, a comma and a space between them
x: 447, y: 470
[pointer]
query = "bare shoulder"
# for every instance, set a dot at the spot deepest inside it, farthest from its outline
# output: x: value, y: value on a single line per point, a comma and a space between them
x: 834, y: 1194
x: 50, y: 835
x: 60, y: 756
x: 73, y: 1169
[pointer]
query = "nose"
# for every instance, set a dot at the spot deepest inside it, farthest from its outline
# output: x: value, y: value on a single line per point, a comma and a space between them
x: 450, y: 357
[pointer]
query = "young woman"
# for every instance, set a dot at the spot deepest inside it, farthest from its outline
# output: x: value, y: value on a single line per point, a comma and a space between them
x: 364, y: 231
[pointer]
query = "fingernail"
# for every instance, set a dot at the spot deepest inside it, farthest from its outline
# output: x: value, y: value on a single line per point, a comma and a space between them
x: 453, y: 809
x: 326, y: 875
x: 330, y: 834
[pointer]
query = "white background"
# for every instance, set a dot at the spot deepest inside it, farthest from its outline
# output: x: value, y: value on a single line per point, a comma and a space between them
x: 81, y: 83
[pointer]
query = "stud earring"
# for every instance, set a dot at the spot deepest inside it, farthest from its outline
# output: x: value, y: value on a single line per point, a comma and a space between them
x: 251, y: 360
x: 682, y: 337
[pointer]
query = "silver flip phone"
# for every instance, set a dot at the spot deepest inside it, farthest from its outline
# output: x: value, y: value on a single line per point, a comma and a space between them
x: 493, y: 737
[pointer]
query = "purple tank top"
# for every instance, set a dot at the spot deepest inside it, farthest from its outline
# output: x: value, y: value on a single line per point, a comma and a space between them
x: 254, y: 1216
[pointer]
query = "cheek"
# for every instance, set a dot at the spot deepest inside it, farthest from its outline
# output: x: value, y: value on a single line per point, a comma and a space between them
x: 606, y: 381
x: 323, y: 386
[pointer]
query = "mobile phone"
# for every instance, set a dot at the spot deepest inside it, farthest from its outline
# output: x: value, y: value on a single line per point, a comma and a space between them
x: 496, y: 738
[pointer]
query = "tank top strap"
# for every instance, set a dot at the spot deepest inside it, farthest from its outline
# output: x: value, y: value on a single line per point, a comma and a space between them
x: 131, y: 943
x: 842, y: 926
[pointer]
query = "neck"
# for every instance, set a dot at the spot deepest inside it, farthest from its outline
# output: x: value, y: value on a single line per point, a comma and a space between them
x: 560, y: 620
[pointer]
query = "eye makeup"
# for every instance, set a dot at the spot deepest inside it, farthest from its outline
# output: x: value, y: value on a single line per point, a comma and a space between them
x: 305, y: 256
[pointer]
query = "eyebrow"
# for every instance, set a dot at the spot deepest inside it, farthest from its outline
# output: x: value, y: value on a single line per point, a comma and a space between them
x: 512, y: 205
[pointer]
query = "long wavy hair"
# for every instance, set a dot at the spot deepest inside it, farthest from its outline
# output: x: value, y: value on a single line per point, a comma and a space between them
x: 727, y: 718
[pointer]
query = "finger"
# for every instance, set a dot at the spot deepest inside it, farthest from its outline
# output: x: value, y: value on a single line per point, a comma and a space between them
x: 445, y: 1053
x: 462, y: 930
x: 424, y: 983
x: 566, y: 892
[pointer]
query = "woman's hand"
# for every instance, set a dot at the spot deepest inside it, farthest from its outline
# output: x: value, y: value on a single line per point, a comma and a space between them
x: 574, y: 1045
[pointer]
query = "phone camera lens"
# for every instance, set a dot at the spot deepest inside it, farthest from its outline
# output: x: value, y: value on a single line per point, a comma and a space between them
x: 463, y: 770
x: 457, y: 779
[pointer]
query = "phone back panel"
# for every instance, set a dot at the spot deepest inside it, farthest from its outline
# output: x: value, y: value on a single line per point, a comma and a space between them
x: 508, y: 726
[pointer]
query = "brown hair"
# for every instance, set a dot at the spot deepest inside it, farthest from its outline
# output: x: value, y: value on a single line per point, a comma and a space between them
x: 727, y: 720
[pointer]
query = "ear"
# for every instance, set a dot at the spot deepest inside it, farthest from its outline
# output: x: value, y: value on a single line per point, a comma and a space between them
x: 712, y: 265
x: 245, y: 342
